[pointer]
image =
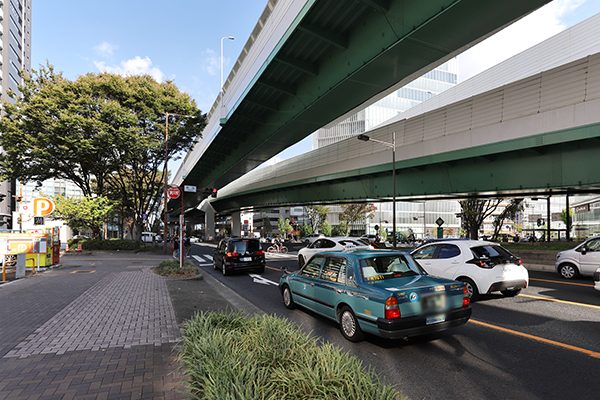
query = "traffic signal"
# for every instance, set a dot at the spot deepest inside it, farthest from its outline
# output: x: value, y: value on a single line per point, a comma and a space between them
x: 539, y: 222
x: 213, y: 192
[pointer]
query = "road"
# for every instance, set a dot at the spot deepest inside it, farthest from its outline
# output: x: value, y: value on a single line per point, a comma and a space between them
x: 542, y: 344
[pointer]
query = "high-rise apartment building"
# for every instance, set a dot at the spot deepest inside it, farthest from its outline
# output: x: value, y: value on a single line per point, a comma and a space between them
x: 15, y: 47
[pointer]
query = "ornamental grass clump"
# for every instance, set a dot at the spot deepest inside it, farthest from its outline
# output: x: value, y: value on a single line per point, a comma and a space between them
x: 233, y: 357
x: 171, y: 269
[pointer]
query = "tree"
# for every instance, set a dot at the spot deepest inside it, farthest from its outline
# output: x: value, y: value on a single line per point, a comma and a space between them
x: 474, y: 212
x: 83, y: 213
x: 509, y: 213
x: 316, y: 215
x: 283, y: 226
x: 353, y: 213
x: 305, y: 229
x: 104, y: 132
x: 325, y: 228
x: 340, y: 230
x: 267, y: 225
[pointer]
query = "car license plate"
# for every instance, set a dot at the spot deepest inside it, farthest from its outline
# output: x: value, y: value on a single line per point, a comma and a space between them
x: 245, y: 259
x: 435, y: 319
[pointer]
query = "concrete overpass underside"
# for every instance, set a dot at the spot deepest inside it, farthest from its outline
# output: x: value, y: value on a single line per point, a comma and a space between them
x: 537, y: 136
x: 334, y: 58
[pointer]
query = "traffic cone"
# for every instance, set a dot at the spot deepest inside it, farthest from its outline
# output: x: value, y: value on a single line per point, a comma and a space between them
x: 67, y: 250
x: 78, y: 247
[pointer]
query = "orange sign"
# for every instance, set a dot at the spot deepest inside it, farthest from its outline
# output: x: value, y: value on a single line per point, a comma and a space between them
x: 42, y: 206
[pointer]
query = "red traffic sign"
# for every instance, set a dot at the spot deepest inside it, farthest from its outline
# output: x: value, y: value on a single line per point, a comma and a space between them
x: 173, y: 192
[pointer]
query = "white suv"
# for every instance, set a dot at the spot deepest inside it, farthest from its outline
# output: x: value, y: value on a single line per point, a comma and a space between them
x: 484, y: 267
x: 583, y: 259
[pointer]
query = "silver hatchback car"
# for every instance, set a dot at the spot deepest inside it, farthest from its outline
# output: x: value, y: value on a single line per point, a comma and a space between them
x: 583, y: 259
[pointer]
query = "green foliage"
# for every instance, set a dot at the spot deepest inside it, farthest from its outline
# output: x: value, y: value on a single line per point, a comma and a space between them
x: 104, y: 132
x: 325, y: 228
x: 353, y: 213
x: 267, y: 225
x: 340, y: 230
x: 111, y: 244
x: 382, y: 233
x: 474, y: 212
x: 305, y: 229
x: 230, y: 356
x: 84, y: 213
x: 283, y: 226
x: 316, y: 215
x: 171, y: 268
x: 563, y: 216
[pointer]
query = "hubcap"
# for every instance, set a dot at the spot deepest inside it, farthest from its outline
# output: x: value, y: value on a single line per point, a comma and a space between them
x: 286, y: 296
x: 567, y: 271
x: 469, y: 289
x: 348, y: 324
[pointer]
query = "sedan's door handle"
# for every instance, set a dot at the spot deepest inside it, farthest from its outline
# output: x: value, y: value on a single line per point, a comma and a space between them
x: 312, y: 284
x: 338, y: 291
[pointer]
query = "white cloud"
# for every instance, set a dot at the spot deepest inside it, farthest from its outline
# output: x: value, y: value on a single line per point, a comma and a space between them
x: 105, y: 49
x: 134, y: 66
x: 523, y: 34
x: 211, y: 63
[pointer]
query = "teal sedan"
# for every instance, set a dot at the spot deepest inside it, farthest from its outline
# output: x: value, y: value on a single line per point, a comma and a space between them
x: 384, y: 293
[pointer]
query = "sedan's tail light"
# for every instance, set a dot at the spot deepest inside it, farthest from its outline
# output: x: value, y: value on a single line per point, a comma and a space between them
x: 480, y: 264
x: 466, y: 298
x: 229, y: 255
x: 260, y: 253
x: 392, y: 310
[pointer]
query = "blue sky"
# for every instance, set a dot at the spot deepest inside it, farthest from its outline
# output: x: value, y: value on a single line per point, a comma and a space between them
x: 180, y: 39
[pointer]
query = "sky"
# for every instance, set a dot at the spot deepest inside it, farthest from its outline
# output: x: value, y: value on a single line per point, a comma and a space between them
x: 180, y: 40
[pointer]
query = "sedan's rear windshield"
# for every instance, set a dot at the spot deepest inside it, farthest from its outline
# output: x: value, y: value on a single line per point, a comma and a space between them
x: 492, y: 252
x: 244, y: 246
x: 388, y: 267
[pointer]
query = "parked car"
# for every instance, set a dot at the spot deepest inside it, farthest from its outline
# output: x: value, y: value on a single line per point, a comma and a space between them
x: 384, y: 293
x: 77, y: 237
x: 369, y: 238
x: 237, y: 254
x: 311, y: 238
x: 194, y: 239
x: 597, y: 279
x: 337, y: 243
x: 484, y: 267
x: 149, y: 237
x: 583, y: 259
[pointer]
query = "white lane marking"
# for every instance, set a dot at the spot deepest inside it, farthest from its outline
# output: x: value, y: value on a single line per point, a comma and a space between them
x: 199, y: 259
x: 261, y: 280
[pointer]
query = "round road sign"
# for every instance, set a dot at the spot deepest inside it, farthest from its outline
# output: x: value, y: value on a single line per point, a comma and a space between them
x: 173, y: 192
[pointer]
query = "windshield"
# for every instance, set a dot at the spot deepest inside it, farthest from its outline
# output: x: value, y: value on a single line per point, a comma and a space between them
x: 389, y: 267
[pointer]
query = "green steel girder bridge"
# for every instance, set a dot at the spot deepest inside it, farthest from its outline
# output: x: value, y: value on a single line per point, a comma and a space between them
x: 310, y: 63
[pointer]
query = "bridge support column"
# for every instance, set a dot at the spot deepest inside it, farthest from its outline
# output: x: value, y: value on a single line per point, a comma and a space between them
x: 236, y: 223
x: 209, y: 219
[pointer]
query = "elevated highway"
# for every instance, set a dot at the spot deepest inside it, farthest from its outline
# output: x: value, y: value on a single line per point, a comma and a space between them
x: 538, y: 135
x: 309, y: 63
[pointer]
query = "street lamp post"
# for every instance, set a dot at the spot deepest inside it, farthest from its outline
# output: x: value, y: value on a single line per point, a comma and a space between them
x: 366, y: 138
x: 223, y: 38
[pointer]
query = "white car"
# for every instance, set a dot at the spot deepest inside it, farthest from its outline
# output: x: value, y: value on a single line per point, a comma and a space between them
x: 583, y: 259
x: 597, y: 279
x: 312, y: 237
x: 338, y: 243
x: 484, y: 267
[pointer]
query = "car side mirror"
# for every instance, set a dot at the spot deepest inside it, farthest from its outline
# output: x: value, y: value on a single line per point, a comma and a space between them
x: 283, y: 269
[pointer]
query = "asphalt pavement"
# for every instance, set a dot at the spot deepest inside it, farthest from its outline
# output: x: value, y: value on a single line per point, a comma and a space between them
x: 103, y: 325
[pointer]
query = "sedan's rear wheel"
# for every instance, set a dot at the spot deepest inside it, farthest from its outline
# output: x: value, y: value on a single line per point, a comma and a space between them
x: 349, y: 325
x: 288, y: 300
x: 215, y: 267
x: 568, y: 271
x: 224, y: 270
x: 471, y: 288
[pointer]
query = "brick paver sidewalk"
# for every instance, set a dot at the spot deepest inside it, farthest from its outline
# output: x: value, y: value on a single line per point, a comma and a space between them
x: 100, y: 327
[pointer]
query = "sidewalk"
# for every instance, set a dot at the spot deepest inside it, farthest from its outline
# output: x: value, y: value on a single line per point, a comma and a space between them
x: 100, y: 326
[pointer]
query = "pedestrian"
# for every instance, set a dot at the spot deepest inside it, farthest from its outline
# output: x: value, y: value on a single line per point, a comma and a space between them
x: 187, y: 242
x: 176, y: 244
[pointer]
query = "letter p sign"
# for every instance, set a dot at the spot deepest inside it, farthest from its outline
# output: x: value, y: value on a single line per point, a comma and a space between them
x: 42, y: 206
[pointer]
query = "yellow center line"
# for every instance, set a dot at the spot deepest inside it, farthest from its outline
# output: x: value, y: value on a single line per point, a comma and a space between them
x: 539, y: 339
x: 564, y: 283
x: 560, y: 301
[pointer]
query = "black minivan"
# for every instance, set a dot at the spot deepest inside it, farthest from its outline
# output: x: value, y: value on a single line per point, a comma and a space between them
x: 239, y: 254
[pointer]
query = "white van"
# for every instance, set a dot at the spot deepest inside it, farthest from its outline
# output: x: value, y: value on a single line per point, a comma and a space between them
x: 148, y: 237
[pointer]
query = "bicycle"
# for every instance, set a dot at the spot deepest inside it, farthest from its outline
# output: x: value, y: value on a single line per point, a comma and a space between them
x: 277, y: 249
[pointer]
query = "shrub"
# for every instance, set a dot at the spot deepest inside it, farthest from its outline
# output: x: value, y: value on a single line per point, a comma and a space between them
x: 171, y: 268
x: 230, y: 356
